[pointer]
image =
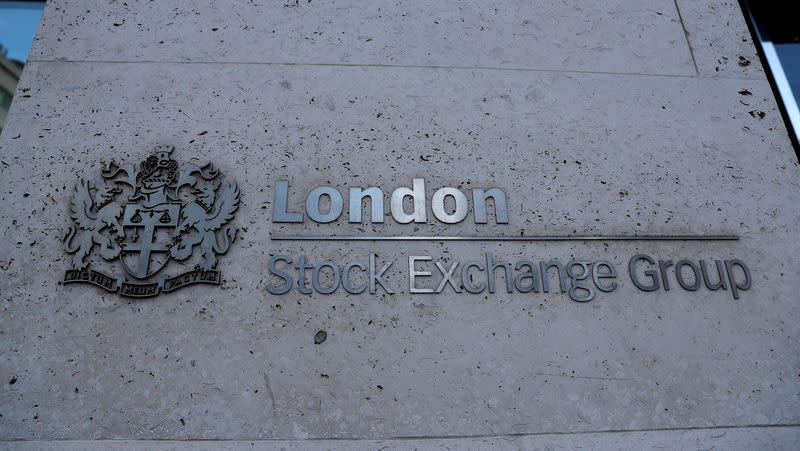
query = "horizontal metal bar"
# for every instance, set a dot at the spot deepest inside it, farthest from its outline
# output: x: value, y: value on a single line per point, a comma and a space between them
x: 506, y: 238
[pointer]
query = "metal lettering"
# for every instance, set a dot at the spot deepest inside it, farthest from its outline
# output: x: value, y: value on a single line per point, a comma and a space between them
x: 288, y: 281
x: 736, y: 286
x: 662, y: 266
x: 720, y: 276
x: 189, y: 278
x: 577, y: 283
x: 346, y: 278
x: 491, y: 266
x: 105, y: 281
x: 138, y: 290
x: 377, y: 277
x: 413, y: 273
x: 679, y: 275
x: 375, y: 200
x: 479, y: 197
x: 597, y: 275
x: 315, y: 277
x: 532, y: 274
x: 281, y: 201
x: 437, y: 205
x: 312, y: 204
x: 418, y: 203
x: 650, y: 273
x: 447, y: 277
x: 301, y: 275
x: 466, y: 277
x: 561, y: 277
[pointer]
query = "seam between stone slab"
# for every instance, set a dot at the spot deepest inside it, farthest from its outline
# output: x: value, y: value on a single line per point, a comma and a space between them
x: 426, y: 437
x: 686, y: 35
x: 607, y: 431
x: 398, y: 66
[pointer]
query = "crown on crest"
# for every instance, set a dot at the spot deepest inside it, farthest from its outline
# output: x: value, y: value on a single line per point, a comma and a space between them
x: 162, y: 152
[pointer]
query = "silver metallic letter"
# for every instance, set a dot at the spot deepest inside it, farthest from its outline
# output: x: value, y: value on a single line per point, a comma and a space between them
x: 527, y: 275
x: 357, y: 195
x: 346, y: 278
x: 597, y: 275
x: 437, y: 205
x: 736, y: 286
x: 378, y: 276
x: 312, y: 204
x: 649, y: 273
x: 479, y: 197
x: 315, y: 277
x: 720, y: 275
x: 301, y: 271
x: 418, y: 201
x: 662, y: 266
x: 561, y: 277
x: 466, y: 277
x: 679, y: 275
x: 491, y: 266
x: 578, y: 281
x: 412, y: 273
x: 287, y: 279
x: 279, y: 213
x: 447, y: 277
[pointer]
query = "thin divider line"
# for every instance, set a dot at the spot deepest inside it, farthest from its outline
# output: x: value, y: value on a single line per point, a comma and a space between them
x: 505, y: 238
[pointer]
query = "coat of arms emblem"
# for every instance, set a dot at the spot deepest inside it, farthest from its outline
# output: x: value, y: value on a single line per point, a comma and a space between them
x: 144, y: 219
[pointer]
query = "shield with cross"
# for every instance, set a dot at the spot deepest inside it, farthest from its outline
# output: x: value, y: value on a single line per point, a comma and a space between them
x: 146, y: 249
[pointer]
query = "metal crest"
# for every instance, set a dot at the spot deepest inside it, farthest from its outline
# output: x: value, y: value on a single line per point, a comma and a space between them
x: 148, y: 218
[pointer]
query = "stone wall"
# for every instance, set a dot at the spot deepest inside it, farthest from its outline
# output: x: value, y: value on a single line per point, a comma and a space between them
x: 610, y: 118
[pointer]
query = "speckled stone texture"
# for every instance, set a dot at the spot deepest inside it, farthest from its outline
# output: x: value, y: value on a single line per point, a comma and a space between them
x: 623, y: 117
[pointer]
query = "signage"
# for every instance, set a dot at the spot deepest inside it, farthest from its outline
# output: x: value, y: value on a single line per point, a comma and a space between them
x: 580, y: 279
x: 144, y: 218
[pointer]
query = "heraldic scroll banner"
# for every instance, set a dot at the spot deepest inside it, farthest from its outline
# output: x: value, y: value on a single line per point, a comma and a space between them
x: 146, y: 219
